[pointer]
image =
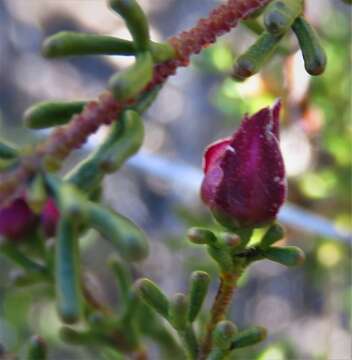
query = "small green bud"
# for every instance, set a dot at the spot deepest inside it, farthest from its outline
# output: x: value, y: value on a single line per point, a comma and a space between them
x: 256, y: 56
x: 153, y: 296
x: 288, y: 255
x: 128, y: 83
x: 37, y: 349
x: 136, y: 21
x: 201, y: 236
x: 313, y: 53
x: 224, y: 334
x: 273, y: 234
x: 178, y: 311
x: 279, y: 15
x: 248, y: 337
x: 199, y: 288
x: 48, y: 114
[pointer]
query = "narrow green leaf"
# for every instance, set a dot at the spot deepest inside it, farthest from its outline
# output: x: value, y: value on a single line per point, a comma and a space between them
x: 178, y: 311
x: 67, y: 272
x: 248, y: 337
x: 128, y: 83
x: 122, y: 233
x: 201, y: 236
x: 123, y: 277
x: 190, y: 341
x: 313, y: 53
x: 124, y: 139
x: 279, y: 15
x: 48, y: 114
x: 199, y: 288
x: 289, y: 255
x: 273, y: 234
x: 153, y: 296
x: 136, y: 21
x: 69, y: 43
x: 256, y: 56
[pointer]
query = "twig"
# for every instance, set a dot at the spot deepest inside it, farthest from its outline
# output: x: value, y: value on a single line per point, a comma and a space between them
x: 65, y: 139
x: 220, y: 306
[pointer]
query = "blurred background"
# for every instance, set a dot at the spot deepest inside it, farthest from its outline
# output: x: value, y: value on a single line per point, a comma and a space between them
x: 307, y: 310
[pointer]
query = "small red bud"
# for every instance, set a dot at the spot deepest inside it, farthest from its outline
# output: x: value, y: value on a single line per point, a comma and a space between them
x: 16, y: 220
x: 244, y: 184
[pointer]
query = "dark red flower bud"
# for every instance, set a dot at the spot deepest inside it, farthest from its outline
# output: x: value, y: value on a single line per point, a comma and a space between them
x: 49, y: 218
x: 244, y: 183
x: 17, y: 220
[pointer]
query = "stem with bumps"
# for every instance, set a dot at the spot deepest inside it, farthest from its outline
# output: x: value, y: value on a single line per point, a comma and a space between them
x: 220, y: 306
x: 65, y: 139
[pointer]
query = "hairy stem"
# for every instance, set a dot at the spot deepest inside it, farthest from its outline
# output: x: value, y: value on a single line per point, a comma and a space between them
x: 220, y: 306
x: 65, y: 139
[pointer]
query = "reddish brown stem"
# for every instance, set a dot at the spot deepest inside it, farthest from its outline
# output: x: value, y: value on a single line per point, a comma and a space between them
x: 65, y: 139
x: 220, y: 306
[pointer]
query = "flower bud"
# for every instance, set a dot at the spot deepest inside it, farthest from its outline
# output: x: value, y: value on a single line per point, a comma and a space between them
x: 244, y: 184
x: 16, y: 220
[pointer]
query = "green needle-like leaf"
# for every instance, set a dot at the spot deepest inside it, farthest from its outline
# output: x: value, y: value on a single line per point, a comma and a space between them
x: 273, y: 234
x: 313, y: 53
x: 256, y: 56
x: 178, y: 311
x: 279, y: 15
x: 71, y: 43
x: 48, y: 114
x: 199, y: 288
x: 130, y: 82
x: 248, y: 337
x: 125, y: 138
x: 122, y: 233
x: 67, y: 272
x: 288, y: 255
x: 136, y: 21
x: 153, y: 296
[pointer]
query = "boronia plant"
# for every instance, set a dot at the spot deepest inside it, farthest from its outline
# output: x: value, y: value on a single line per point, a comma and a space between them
x: 244, y: 186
